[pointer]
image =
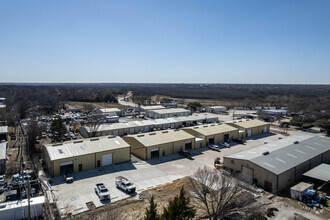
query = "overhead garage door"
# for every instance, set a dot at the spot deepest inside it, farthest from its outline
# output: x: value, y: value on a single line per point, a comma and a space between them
x: 249, y: 133
x: 247, y: 174
x: 265, y: 129
x: 154, y: 152
x: 115, y: 132
x: 66, y: 167
x: 106, y: 159
x: 131, y: 130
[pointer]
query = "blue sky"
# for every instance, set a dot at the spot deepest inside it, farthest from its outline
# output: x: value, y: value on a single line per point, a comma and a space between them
x: 232, y: 41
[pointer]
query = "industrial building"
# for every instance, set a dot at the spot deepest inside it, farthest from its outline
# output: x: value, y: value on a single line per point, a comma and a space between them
x: 168, y: 113
x: 149, y: 108
x: 216, y: 109
x: 212, y: 133
x: 159, y: 143
x: 3, y: 157
x: 134, y: 127
x: 81, y: 155
x: 250, y: 127
x: 107, y: 111
x: 280, y: 164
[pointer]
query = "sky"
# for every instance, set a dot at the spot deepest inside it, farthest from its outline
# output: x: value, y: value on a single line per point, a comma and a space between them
x: 165, y: 41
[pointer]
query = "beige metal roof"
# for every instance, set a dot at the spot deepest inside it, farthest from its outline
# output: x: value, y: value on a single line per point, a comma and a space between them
x: 162, y: 137
x: 249, y: 123
x: 302, y: 186
x: 84, y: 147
x: 212, y: 129
x: 170, y: 110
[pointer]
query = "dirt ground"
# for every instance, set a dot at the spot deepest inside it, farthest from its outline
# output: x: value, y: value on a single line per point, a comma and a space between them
x: 81, y: 105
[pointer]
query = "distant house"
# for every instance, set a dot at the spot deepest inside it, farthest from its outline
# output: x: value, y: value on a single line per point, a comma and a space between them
x: 216, y: 109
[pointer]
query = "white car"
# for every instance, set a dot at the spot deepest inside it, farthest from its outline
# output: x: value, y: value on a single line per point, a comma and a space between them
x: 214, y: 147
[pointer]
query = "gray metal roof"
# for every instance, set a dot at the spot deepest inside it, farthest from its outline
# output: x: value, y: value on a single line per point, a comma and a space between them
x: 170, y: 111
x: 84, y: 147
x: 3, y: 150
x: 282, y: 156
x: 321, y: 172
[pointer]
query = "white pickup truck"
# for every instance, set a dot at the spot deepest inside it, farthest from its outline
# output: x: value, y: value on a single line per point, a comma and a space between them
x: 124, y: 184
x: 102, y: 191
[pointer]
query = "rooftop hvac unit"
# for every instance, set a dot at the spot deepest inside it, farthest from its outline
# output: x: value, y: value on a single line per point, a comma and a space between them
x: 296, y: 142
x: 165, y: 132
x: 265, y: 153
x: 54, y: 145
x: 94, y: 139
x: 80, y: 141
x: 142, y: 135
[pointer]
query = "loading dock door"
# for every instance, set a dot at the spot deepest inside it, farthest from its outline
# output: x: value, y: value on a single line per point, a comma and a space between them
x: 66, y: 167
x: 211, y: 140
x: 226, y: 137
x: 106, y: 159
x: 249, y: 133
x: 188, y: 145
x: 265, y: 129
x: 247, y: 174
x: 154, y: 152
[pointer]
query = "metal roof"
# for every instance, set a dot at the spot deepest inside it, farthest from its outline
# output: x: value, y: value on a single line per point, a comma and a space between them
x: 109, y: 110
x: 197, y: 117
x: 161, y: 137
x: 302, y: 186
x: 280, y: 156
x: 170, y: 111
x: 212, y: 129
x: 3, y: 150
x: 152, y: 107
x: 250, y: 123
x: 3, y: 129
x: 84, y: 147
x: 321, y: 172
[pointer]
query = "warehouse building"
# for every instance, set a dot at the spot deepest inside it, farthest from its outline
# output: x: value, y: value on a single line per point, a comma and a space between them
x: 168, y: 113
x: 107, y: 111
x: 250, y: 127
x: 159, y: 143
x: 216, y: 109
x: 149, y: 108
x: 280, y: 164
x: 212, y: 134
x: 134, y: 127
x: 85, y: 154
x: 3, y: 157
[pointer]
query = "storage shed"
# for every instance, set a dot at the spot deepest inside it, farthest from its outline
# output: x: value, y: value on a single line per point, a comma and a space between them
x: 299, y: 190
x: 85, y: 154
x: 159, y: 143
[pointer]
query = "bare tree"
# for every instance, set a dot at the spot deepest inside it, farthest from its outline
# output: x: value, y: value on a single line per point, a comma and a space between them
x: 93, y: 124
x: 222, y: 196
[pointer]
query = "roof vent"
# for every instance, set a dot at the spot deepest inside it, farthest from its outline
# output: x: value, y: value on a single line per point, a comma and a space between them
x: 94, y: 139
x: 80, y: 141
x: 165, y: 132
x: 205, y: 126
x: 296, y: 142
x: 142, y: 135
x: 219, y: 123
x: 60, y: 151
x: 59, y: 144
x: 212, y: 125
x: 111, y: 136
x: 265, y: 153
x: 152, y: 133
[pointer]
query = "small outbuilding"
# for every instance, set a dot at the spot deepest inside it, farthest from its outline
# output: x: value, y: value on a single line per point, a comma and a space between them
x: 159, y: 143
x: 81, y: 155
x: 299, y: 190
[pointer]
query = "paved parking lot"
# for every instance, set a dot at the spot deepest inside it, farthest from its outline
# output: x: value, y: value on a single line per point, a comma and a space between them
x: 144, y: 174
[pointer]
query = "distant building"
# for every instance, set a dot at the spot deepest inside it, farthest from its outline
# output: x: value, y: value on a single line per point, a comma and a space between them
x: 250, y: 127
x: 278, y: 165
x: 107, y: 111
x: 3, y: 133
x: 149, y: 108
x: 216, y: 109
x: 3, y: 157
x: 168, y: 113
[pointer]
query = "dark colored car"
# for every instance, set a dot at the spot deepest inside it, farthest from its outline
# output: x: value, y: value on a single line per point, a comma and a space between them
x: 185, y: 153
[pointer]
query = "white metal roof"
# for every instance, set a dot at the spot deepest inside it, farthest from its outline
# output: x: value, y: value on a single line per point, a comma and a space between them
x: 152, y: 107
x: 3, y: 129
x: 302, y: 186
x: 3, y: 150
x: 109, y: 110
x: 170, y: 111
x: 84, y: 146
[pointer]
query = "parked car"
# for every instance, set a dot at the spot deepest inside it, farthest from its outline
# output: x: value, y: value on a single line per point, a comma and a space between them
x: 185, y: 153
x: 224, y: 144
x: 240, y: 141
x: 68, y: 178
x: 214, y: 147
x: 125, y: 184
x: 102, y: 191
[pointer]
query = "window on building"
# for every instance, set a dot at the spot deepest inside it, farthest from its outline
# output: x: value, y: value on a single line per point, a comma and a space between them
x: 232, y: 162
